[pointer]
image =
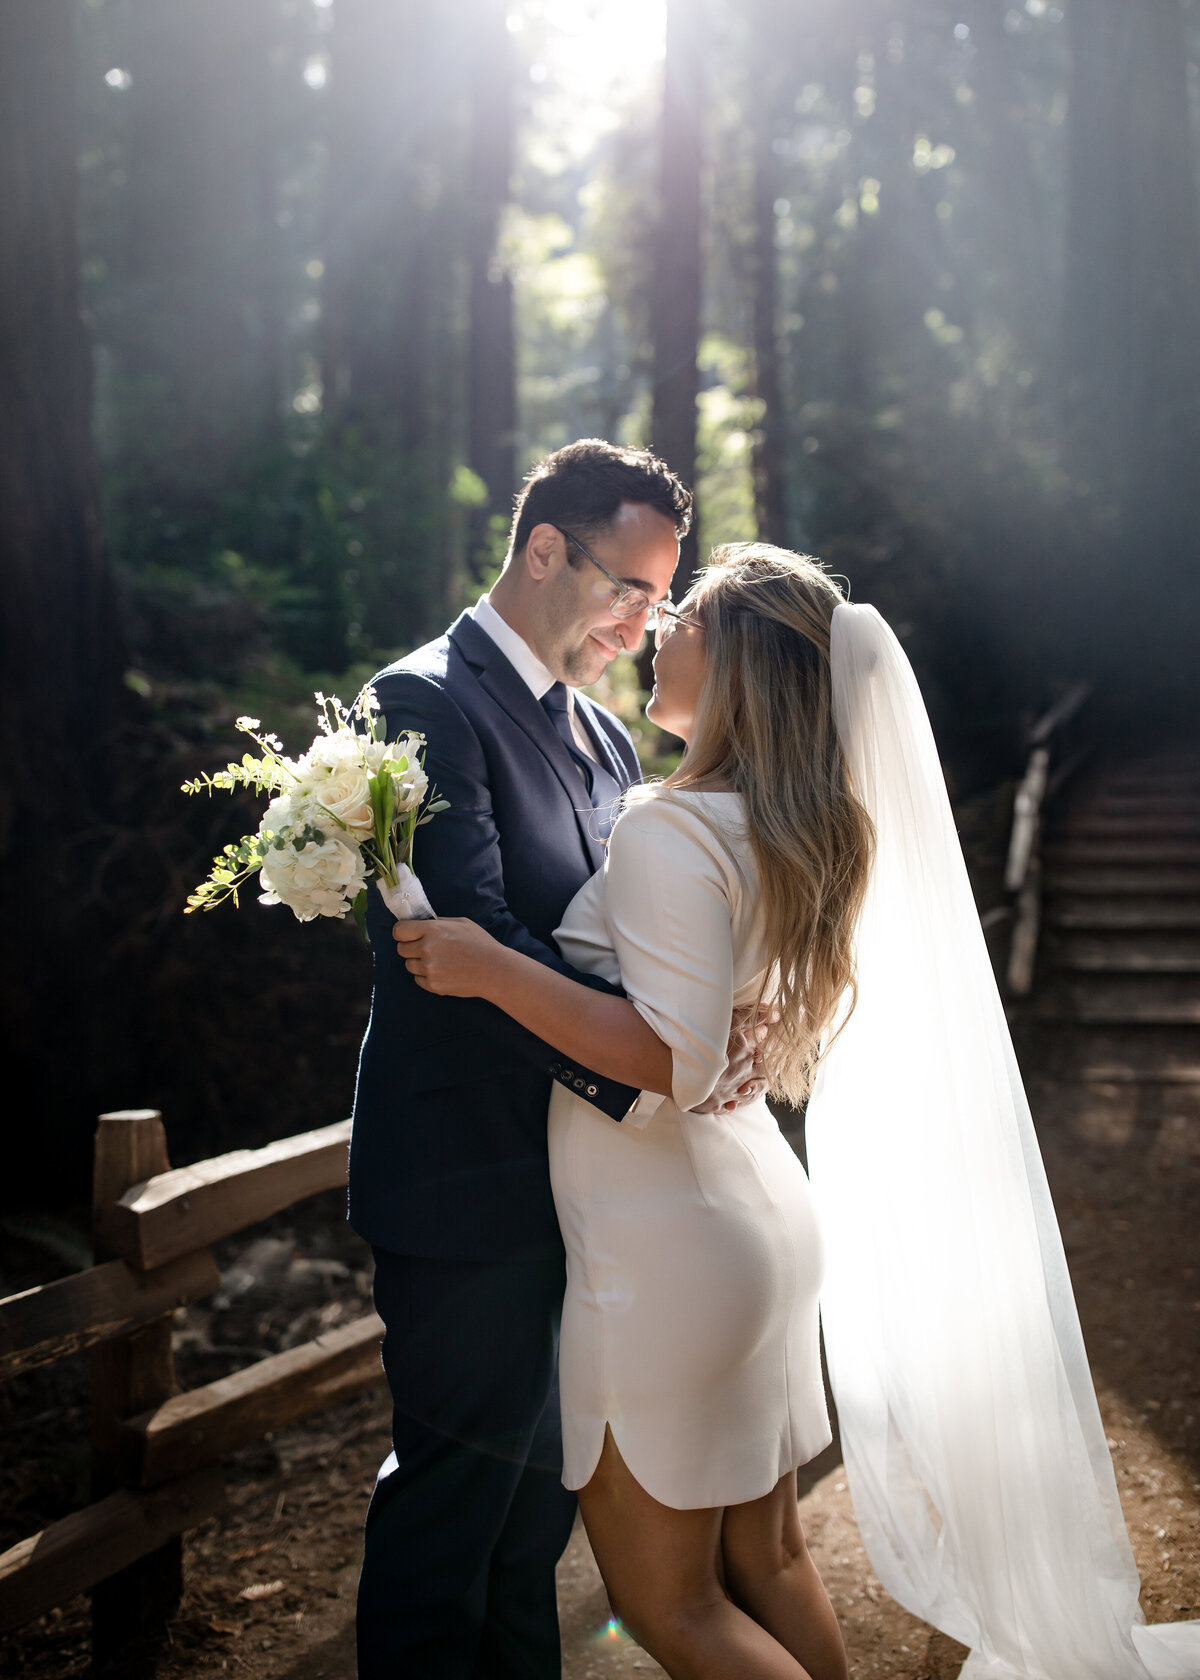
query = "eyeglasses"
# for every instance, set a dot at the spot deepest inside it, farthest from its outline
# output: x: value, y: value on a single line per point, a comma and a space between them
x: 628, y: 601
x: 664, y: 622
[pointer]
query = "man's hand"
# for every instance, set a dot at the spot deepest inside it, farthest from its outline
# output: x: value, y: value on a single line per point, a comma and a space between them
x: 743, y: 1080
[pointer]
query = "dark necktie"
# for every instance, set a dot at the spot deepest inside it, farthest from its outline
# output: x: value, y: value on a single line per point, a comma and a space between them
x: 604, y: 791
x: 556, y: 702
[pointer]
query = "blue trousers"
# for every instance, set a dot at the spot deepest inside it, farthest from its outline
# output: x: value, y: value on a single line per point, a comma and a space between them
x: 469, y: 1515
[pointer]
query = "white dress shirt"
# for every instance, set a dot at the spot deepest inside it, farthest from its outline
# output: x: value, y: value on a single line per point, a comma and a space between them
x: 536, y: 677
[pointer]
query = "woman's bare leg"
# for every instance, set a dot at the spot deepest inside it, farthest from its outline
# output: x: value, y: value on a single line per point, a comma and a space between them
x: 662, y: 1571
x: 770, y: 1574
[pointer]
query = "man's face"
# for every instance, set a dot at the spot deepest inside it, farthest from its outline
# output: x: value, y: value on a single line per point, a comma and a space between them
x: 576, y: 634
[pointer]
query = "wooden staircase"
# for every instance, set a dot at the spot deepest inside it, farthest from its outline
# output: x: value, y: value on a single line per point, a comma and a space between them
x: 1118, y: 993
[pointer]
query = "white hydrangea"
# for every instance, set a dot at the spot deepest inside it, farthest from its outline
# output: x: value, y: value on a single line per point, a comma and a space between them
x: 311, y: 866
x: 316, y: 878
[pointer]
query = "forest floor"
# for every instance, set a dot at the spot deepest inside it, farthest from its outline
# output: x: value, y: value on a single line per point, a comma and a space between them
x: 270, y: 1584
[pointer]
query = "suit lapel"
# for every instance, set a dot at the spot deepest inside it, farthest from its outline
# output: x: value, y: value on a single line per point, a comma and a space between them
x: 498, y: 678
x: 605, y: 749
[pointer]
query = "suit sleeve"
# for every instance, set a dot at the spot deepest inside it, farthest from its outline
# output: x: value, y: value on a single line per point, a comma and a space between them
x: 457, y: 858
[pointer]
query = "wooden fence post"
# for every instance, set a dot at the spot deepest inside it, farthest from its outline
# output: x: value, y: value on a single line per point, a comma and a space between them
x: 129, y: 1374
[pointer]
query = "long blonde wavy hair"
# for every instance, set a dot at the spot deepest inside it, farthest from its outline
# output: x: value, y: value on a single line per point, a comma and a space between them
x: 765, y: 728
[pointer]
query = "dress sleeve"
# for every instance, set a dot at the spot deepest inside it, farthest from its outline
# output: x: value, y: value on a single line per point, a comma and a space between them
x: 669, y: 902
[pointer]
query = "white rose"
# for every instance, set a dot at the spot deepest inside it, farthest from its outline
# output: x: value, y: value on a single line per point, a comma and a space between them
x: 321, y: 878
x: 346, y: 794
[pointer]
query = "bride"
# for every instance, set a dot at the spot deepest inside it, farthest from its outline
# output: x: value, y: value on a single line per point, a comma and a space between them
x: 803, y: 857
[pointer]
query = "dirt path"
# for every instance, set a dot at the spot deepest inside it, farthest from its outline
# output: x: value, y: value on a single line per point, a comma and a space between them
x: 270, y: 1585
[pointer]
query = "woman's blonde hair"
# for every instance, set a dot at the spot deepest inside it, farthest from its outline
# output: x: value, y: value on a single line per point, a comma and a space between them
x: 765, y: 727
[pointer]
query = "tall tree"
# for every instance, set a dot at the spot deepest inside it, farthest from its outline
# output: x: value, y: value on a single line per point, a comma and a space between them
x: 772, y: 79
x: 391, y: 363
x: 1132, y: 304
x: 675, y: 296
x: 1132, y: 313
x: 60, y: 651
x: 196, y: 333
x: 491, y: 396
x: 61, y: 658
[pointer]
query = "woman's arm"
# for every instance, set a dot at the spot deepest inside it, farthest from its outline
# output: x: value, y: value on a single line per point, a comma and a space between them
x: 455, y: 958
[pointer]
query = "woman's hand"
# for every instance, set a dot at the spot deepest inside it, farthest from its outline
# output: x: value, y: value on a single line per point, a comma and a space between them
x: 451, y: 956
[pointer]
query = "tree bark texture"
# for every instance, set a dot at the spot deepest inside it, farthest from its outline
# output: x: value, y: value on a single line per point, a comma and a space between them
x: 675, y: 298
x: 772, y: 76
x: 61, y: 678
x: 1132, y: 307
x: 198, y: 363
x: 491, y: 354
x: 391, y: 361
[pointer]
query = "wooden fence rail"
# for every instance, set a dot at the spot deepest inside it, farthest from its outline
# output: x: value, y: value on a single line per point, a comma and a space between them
x: 155, y: 1452
x: 1023, y: 866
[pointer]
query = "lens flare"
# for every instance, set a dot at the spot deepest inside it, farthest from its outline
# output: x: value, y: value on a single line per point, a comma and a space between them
x: 612, y: 1633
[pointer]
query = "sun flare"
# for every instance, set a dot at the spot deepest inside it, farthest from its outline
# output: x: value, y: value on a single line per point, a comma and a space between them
x: 600, y: 49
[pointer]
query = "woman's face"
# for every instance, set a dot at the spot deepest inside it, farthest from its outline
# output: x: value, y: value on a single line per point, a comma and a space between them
x: 678, y: 676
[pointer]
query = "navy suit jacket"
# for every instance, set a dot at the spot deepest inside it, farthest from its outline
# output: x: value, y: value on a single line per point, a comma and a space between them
x: 448, y: 1151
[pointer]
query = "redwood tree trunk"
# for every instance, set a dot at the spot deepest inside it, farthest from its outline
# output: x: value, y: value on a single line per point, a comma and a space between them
x: 391, y: 365
x: 1131, y: 399
x: 491, y: 374
x: 1132, y: 403
x: 60, y: 653
x: 60, y: 679
x: 196, y: 340
x: 675, y: 294
x: 772, y: 72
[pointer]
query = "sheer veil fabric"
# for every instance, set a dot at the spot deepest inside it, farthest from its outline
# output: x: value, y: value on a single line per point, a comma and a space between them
x: 974, y: 1450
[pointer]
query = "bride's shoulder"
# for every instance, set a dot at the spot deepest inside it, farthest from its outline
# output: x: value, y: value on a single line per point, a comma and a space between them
x: 714, y: 823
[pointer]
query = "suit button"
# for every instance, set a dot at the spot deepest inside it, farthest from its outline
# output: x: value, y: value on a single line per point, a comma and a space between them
x: 591, y: 1090
x: 567, y: 1075
x: 579, y: 1084
x: 556, y: 1068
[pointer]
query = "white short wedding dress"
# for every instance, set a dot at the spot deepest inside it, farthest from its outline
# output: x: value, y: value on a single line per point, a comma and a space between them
x: 693, y: 1254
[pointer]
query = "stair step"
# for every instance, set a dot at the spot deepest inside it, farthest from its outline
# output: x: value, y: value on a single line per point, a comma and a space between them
x: 1123, y: 881
x: 1129, y: 1056
x: 1153, y: 787
x: 1132, y: 914
x: 1153, y: 1000
x: 1077, y: 826
x: 1103, y: 800
x: 1106, y: 853
x: 1126, y: 953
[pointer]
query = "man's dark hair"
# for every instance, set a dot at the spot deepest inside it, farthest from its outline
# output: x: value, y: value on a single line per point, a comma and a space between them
x: 583, y: 485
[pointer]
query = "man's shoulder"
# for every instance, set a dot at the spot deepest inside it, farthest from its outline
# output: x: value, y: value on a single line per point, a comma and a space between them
x: 438, y: 663
x: 431, y: 662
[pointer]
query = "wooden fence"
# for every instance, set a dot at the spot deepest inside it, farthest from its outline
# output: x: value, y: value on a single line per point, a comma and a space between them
x: 156, y: 1454
x: 1051, y: 761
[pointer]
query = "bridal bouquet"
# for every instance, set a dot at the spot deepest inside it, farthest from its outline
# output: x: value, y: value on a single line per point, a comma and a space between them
x: 340, y: 816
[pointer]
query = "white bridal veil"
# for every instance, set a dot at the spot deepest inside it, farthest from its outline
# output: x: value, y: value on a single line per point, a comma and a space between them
x: 974, y: 1449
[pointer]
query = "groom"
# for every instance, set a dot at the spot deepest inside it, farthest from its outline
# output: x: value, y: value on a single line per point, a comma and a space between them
x: 449, y: 1179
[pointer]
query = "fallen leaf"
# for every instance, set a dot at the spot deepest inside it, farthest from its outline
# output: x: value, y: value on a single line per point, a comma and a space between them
x: 251, y: 1552
x: 230, y: 1628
